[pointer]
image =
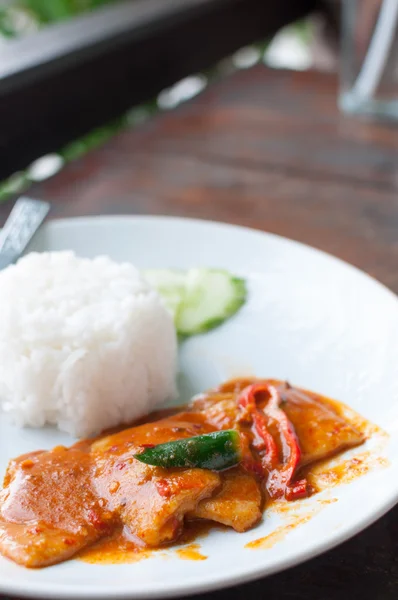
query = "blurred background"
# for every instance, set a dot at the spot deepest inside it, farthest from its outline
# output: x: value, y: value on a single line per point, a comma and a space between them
x: 74, y: 73
x: 42, y: 43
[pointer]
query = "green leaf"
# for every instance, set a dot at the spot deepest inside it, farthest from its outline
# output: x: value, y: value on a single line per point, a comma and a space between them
x: 49, y: 11
x: 16, y: 184
x: 6, y: 26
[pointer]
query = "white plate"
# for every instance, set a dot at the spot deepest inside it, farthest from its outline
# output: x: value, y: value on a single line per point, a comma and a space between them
x: 310, y: 318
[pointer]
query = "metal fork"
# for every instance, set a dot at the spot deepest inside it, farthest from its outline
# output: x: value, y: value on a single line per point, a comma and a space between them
x: 24, y: 221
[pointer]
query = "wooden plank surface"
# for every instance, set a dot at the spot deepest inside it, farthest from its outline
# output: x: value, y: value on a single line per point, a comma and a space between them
x: 81, y: 73
x: 266, y: 149
x: 263, y: 148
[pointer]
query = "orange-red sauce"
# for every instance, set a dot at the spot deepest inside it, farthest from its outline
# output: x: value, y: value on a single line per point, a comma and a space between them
x: 119, y: 549
x: 110, y: 455
x: 190, y: 552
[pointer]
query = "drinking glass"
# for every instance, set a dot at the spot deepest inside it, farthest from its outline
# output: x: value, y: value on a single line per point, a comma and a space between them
x: 369, y: 58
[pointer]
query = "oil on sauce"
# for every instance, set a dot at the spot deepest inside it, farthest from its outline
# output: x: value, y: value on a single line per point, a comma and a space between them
x: 121, y: 550
x: 113, y: 551
x: 277, y: 535
x: 190, y: 552
x: 324, y: 476
x: 345, y: 468
x: 293, y: 520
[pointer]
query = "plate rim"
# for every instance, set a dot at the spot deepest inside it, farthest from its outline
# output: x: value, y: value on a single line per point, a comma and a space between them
x: 48, y: 591
x: 86, y: 219
x: 51, y: 590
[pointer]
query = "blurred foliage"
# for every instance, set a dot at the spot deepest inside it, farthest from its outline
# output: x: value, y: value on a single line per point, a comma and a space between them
x: 6, y: 26
x: 50, y: 11
x: 21, y: 16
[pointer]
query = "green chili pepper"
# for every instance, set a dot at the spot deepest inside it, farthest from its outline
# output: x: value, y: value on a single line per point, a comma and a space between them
x: 215, y: 451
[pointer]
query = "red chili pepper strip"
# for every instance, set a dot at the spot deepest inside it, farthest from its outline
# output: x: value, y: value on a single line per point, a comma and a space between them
x: 247, y: 402
x: 280, y: 477
x: 248, y: 462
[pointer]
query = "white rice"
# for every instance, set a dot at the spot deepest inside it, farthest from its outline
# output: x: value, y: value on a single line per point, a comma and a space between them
x: 84, y: 344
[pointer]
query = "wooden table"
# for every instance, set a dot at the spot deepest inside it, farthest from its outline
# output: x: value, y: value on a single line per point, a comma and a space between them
x: 267, y: 149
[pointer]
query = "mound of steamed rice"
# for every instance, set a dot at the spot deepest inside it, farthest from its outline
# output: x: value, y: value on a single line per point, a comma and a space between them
x: 84, y: 344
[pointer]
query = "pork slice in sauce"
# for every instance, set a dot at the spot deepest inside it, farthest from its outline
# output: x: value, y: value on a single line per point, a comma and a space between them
x: 321, y: 430
x: 236, y: 504
x: 58, y: 502
x: 151, y: 502
x: 49, y: 507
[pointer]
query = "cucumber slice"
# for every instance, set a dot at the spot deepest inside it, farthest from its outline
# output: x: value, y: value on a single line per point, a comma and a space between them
x: 170, y: 284
x: 199, y: 299
x: 211, y: 297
